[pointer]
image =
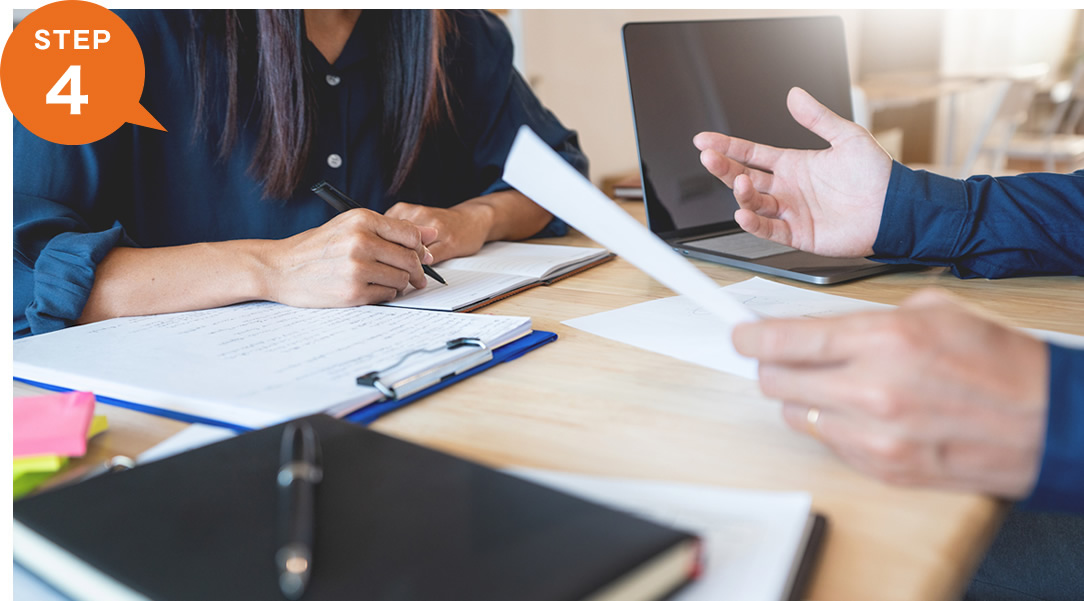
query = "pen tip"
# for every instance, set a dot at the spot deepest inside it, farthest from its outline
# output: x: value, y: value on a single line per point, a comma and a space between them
x: 429, y: 271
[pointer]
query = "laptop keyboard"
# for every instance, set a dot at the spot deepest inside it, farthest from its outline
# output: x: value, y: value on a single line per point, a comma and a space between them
x: 743, y: 245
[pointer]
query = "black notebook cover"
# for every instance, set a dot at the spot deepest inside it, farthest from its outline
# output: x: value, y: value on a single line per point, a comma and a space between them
x: 395, y: 521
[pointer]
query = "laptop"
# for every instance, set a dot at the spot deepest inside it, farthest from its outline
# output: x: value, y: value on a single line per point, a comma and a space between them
x: 730, y: 76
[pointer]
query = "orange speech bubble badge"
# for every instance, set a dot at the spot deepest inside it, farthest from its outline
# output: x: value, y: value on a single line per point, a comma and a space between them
x: 72, y: 73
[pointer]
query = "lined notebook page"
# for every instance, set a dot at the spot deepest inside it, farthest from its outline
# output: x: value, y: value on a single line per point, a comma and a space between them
x: 537, y: 261
x: 464, y: 288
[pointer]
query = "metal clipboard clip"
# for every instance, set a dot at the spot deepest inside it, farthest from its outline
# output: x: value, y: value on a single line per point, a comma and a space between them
x: 454, y: 366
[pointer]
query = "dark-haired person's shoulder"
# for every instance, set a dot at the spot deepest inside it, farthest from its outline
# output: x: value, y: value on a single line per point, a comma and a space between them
x: 482, y: 29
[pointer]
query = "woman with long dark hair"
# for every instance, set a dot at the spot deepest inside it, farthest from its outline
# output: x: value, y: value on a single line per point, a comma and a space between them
x: 411, y: 113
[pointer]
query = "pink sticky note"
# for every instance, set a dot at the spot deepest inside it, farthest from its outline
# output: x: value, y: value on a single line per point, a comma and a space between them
x: 54, y: 424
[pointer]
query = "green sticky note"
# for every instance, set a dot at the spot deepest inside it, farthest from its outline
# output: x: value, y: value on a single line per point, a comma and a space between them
x: 28, y: 481
x: 20, y: 466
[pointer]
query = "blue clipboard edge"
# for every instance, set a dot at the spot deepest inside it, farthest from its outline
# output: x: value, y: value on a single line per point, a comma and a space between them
x: 366, y: 415
x: 509, y: 352
x: 177, y: 415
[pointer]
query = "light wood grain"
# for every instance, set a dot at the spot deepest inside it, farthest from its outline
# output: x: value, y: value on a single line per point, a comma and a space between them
x: 587, y: 404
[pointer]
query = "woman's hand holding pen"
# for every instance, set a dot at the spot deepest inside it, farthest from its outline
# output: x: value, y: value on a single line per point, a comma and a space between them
x: 463, y: 229
x: 359, y: 257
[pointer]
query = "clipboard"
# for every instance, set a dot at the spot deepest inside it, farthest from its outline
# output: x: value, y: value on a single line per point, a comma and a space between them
x: 502, y: 354
x: 365, y: 415
x: 175, y: 415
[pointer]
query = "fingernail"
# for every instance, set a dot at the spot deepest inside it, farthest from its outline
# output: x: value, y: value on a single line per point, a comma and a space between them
x: 428, y: 256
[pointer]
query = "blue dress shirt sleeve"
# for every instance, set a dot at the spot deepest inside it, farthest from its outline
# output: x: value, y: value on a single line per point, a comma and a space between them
x: 1060, y: 486
x: 62, y: 227
x: 992, y: 227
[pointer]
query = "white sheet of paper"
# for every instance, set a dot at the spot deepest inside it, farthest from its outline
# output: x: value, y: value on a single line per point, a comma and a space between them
x: 772, y: 299
x: 751, y: 537
x: 250, y: 364
x: 679, y: 328
x: 192, y: 437
x: 541, y: 174
x: 674, y: 326
x: 1058, y: 338
x: 26, y: 586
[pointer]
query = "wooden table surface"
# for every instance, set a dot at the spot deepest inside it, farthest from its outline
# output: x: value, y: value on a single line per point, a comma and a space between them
x: 587, y: 404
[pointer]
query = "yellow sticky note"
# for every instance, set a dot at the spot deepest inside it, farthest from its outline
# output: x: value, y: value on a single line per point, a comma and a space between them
x: 98, y: 424
x: 28, y: 481
x: 36, y: 463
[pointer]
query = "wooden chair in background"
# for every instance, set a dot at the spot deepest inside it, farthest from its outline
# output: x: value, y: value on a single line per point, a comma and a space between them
x: 1007, y: 109
x: 1057, y: 145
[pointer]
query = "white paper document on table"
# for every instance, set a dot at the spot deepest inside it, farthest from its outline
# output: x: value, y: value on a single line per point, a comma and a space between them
x: 753, y: 539
x: 679, y: 328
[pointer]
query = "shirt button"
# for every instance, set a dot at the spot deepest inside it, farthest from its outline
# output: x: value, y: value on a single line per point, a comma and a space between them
x: 334, y: 161
x: 333, y: 80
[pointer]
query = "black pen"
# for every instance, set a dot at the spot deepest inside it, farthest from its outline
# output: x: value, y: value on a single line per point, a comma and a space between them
x: 297, y: 480
x: 342, y: 203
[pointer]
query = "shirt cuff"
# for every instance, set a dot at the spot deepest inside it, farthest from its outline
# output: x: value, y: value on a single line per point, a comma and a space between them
x: 64, y: 275
x: 1060, y: 486
x: 572, y: 155
x: 568, y: 150
x: 923, y: 217
x: 554, y: 229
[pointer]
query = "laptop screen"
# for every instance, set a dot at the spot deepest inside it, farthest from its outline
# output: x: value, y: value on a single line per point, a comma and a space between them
x: 729, y: 76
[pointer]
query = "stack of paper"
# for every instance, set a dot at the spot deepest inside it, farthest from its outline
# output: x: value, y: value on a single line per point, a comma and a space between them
x: 46, y: 431
x: 754, y: 541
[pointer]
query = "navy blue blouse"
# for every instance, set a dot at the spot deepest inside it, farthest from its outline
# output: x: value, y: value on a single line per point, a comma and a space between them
x: 993, y: 227
x: 146, y: 188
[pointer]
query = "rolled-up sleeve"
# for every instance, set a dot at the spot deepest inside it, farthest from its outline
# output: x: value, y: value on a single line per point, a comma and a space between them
x: 993, y: 227
x: 63, y: 226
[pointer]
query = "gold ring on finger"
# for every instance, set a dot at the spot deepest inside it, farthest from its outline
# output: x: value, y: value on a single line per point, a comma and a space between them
x: 812, y: 418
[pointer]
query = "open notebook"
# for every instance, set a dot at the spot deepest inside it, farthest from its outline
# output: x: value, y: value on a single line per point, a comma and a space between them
x: 499, y: 270
x: 258, y: 363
